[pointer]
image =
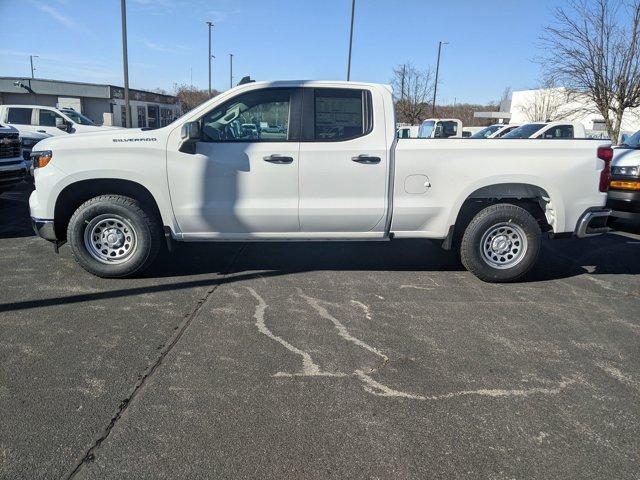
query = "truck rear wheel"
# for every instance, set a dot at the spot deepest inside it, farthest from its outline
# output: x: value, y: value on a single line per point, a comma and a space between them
x: 501, y: 243
x: 113, y: 236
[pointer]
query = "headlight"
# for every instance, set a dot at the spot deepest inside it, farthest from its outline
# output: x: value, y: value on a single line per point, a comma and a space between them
x: 41, y: 159
x: 29, y: 142
x: 626, y: 171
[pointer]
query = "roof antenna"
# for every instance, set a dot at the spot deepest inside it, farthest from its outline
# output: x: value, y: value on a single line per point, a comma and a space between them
x: 246, y: 79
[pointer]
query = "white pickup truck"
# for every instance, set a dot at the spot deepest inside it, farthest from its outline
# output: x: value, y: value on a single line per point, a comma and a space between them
x: 40, y: 119
x: 334, y: 171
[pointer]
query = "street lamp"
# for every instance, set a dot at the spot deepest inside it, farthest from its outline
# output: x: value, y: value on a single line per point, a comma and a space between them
x: 353, y: 11
x: 231, y: 70
x: 125, y: 63
x: 435, y: 87
x: 31, y: 57
x: 210, y: 24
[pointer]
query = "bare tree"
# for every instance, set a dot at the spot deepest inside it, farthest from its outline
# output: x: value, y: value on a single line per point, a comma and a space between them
x: 547, y: 104
x: 412, y: 89
x: 505, y: 98
x: 190, y: 96
x: 593, y: 49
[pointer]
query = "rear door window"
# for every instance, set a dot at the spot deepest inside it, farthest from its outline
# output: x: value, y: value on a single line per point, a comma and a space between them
x: 340, y: 114
x: 20, y: 116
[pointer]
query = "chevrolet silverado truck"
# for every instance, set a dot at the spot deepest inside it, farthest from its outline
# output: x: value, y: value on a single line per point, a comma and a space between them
x: 13, y: 167
x: 624, y: 191
x: 334, y: 171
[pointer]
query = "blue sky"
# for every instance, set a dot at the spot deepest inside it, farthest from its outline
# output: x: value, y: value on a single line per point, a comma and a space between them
x: 492, y: 42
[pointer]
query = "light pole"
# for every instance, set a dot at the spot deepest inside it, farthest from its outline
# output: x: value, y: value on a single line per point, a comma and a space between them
x: 210, y: 56
x: 353, y: 11
x: 435, y: 87
x: 31, y: 57
x: 231, y: 70
x: 125, y: 62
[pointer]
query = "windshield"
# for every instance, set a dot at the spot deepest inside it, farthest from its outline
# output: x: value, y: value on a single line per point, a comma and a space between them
x: 77, y: 117
x: 631, y: 142
x: 426, y: 129
x: 525, y: 131
x: 486, y: 132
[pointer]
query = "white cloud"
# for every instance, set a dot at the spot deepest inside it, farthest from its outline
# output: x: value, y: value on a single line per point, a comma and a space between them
x: 164, y: 48
x: 58, y: 16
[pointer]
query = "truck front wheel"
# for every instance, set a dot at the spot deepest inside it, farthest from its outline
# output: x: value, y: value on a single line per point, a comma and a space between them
x: 113, y: 236
x: 501, y: 243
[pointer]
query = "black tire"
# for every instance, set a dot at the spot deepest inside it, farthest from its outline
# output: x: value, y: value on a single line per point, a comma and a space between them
x: 495, y: 230
x: 130, y: 219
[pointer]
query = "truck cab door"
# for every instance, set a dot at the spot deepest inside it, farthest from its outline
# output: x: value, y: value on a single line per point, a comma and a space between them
x: 344, y: 162
x: 240, y: 179
x: 51, y: 122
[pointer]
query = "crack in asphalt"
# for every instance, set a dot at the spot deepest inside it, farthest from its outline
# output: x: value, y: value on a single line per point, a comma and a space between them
x: 369, y: 384
x: 90, y: 454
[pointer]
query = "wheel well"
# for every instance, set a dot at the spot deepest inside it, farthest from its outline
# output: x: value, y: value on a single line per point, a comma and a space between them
x: 77, y: 193
x: 533, y: 199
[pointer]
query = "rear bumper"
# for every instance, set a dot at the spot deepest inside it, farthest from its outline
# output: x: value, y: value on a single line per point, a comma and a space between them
x: 593, y: 222
x: 44, y: 228
x: 624, y: 204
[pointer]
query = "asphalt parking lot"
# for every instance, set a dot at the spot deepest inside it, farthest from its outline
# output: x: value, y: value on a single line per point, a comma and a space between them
x: 317, y: 361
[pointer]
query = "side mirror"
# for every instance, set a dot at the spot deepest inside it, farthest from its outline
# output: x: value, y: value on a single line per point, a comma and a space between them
x: 63, y: 125
x: 190, y: 135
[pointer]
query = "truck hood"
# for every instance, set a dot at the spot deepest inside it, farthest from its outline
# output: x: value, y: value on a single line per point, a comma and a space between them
x: 626, y: 157
x: 99, y: 136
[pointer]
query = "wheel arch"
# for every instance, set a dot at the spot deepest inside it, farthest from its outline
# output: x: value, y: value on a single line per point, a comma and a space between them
x: 78, y: 192
x: 533, y: 198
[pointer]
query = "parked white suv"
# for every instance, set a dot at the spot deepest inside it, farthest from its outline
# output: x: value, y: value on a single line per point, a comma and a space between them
x: 336, y: 171
x: 47, y: 120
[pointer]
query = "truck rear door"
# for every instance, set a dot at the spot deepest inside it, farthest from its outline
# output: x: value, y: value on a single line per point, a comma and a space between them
x: 343, y: 162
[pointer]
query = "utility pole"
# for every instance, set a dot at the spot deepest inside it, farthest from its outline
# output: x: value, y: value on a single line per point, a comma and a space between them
x: 231, y: 70
x: 210, y: 56
x: 353, y: 10
x: 31, y: 57
x: 435, y: 87
x: 125, y: 62
x: 402, y: 80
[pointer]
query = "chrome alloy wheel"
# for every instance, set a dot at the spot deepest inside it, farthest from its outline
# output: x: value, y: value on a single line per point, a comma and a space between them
x: 503, y: 245
x: 110, y: 239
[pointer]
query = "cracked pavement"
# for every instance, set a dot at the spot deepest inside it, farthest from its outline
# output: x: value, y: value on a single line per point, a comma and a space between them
x: 344, y: 360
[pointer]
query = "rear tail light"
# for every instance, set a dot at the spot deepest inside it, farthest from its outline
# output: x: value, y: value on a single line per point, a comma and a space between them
x: 605, y: 154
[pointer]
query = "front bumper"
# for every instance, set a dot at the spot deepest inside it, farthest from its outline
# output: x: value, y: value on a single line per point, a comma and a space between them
x: 12, y: 171
x: 624, y: 204
x: 593, y: 222
x: 44, y: 228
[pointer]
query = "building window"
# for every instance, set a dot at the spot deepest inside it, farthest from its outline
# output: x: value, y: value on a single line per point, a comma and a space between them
x: 123, y: 115
x: 166, y: 116
x: 142, y: 117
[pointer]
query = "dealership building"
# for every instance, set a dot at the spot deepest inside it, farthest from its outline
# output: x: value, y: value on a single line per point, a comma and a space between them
x: 104, y: 104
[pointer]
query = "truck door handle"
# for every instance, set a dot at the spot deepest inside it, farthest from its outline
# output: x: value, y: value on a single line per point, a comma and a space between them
x: 41, y: 131
x: 366, y: 159
x: 278, y: 159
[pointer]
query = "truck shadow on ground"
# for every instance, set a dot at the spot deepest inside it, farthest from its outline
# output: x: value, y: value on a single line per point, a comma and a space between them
x: 607, y: 254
